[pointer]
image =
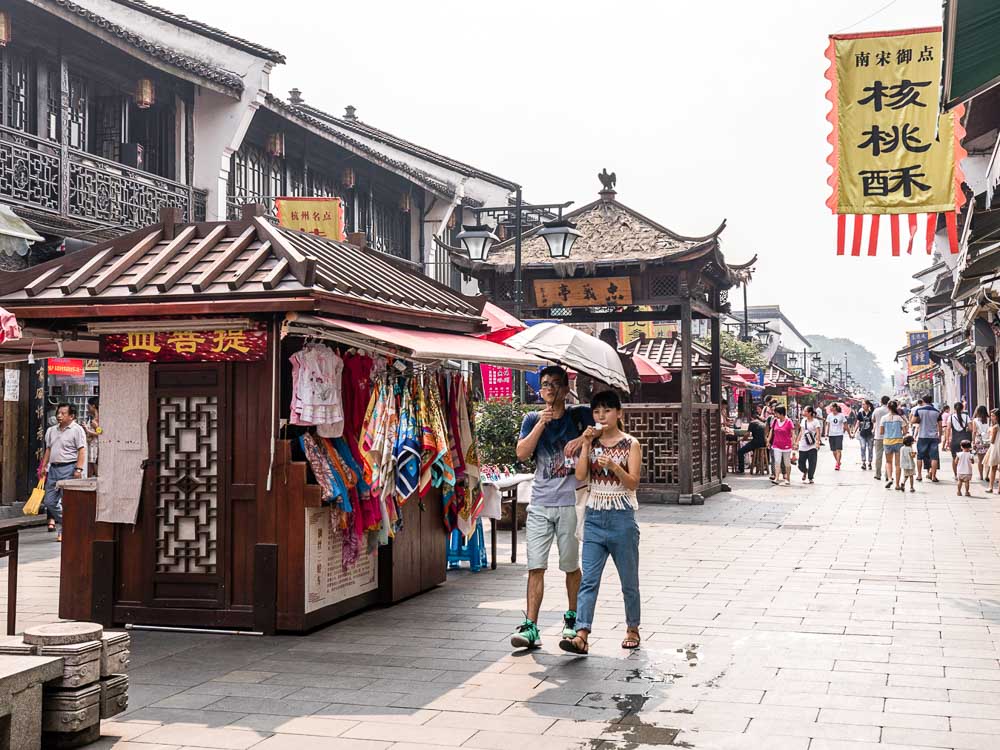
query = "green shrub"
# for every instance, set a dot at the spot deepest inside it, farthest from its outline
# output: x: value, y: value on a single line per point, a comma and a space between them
x: 498, y: 426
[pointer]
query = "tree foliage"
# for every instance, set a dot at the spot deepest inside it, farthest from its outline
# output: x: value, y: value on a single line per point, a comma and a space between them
x: 747, y: 353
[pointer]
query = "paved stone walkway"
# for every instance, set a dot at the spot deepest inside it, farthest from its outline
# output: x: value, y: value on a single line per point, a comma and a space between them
x: 829, y: 617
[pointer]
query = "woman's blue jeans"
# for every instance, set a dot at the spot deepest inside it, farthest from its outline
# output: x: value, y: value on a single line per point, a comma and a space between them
x: 867, y: 448
x: 615, y: 533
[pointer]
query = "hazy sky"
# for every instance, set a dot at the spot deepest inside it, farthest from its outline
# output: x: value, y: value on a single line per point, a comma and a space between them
x: 705, y: 111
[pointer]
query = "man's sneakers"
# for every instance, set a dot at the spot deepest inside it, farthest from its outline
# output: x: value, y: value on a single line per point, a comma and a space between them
x: 526, y: 636
x: 569, y: 624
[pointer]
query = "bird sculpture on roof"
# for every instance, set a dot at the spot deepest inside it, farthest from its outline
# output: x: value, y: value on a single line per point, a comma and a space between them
x: 607, y: 180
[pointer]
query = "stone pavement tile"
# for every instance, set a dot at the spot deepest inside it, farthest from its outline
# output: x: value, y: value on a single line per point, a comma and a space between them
x: 889, y: 668
x: 456, y: 702
x: 310, y: 725
x: 708, y: 708
x: 243, y: 689
x: 116, y: 743
x: 736, y: 741
x: 823, y: 700
x: 849, y: 745
x: 505, y: 722
x: 956, y: 740
x: 489, y: 740
x: 243, y: 675
x: 806, y: 729
x: 305, y: 742
x: 332, y: 681
x: 186, y: 700
x: 424, y: 734
x: 975, y: 696
x: 945, y: 708
x: 977, y: 724
x: 188, y: 716
x: 973, y: 674
x: 126, y: 730
x: 558, y: 711
x: 883, y: 719
x: 198, y: 736
x: 275, y: 706
x: 686, y: 693
x: 889, y: 691
x: 144, y: 695
x: 370, y: 698
x: 383, y: 714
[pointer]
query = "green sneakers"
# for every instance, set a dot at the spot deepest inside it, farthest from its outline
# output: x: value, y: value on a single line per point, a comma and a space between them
x: 526, y: 636
x: 569, y: 624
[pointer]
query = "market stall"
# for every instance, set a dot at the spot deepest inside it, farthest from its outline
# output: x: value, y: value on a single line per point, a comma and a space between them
x: 286, y: 434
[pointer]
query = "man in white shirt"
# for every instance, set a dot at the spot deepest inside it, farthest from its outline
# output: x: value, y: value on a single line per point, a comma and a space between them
x: 876, y: 421
x: 65, y: 458
x: 836, y: 421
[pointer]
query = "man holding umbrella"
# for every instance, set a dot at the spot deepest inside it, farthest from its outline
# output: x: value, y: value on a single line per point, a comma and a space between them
x: 551, y: 436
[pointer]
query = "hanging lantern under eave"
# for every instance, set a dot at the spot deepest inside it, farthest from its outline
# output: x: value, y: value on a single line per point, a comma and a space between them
x: 4, y: 28
x: 276, y: 145
x: 405, y: 203
x: 560, y: 236
x: 348, y: 178
x: 477, y: 239
x: 145, y: 93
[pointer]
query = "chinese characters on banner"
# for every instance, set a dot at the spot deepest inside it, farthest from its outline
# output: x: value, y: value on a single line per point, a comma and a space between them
x: 918, y: 358
x: 72, y: 368
x: 224, y: 345
x: 323, y: 217
x: 614, y: 292
x: 498, y: 382
x: 893, y: 153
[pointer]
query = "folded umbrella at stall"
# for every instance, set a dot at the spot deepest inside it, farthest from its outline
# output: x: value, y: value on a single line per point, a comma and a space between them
x: 650, y: 371
x: 573, y: 349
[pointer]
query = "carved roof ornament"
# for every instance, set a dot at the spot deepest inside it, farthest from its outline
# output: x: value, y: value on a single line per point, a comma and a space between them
x: 607, y: 180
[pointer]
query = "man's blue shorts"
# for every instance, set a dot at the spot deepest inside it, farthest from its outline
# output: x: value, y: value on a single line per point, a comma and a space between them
x: 927, y: 450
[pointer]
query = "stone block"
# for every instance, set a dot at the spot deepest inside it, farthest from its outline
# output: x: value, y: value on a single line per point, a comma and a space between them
x: 63, y: 633
x: 114, y: 695
x: 82, y: 663
x: 115, y: 653
x: 70, y: 710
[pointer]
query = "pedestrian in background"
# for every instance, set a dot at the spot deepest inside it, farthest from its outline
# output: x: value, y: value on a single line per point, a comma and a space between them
x: 781, y: 445
x: 807, y: 438
x: 877, y: 415
x: 64, y: 458
x: 981, y: 437
x: 964, y: 463
x: 927, y: 419
x: 993, y: 455
x: 908, y: 461
x: 959, y: 431
x: 864, y: 431
x: 836, y: 422
x: 892, y: 428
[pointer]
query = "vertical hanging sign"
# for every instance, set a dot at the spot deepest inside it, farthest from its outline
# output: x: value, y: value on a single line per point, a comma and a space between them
x: 893, y: 152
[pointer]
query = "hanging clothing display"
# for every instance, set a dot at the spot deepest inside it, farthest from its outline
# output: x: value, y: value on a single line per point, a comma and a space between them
x: 316, y: 389
x: 123, y: 439
x: 398, y: 435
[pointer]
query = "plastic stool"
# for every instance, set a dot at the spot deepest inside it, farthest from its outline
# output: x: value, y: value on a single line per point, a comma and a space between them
x: 473, y: 551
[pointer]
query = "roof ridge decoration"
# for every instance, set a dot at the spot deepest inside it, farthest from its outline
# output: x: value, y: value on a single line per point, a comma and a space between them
x: 418, y: 175
x: 207, y: 71
x: 383, y: 136
x: 178, y: 19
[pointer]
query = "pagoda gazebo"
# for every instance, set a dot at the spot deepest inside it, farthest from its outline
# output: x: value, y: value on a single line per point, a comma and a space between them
x: 626, y: 267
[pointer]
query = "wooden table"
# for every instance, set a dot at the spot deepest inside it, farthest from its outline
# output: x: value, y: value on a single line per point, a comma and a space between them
x: 8, y: 549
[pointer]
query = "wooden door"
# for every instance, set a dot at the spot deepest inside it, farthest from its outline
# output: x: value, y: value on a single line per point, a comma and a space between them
x: 187, y: 492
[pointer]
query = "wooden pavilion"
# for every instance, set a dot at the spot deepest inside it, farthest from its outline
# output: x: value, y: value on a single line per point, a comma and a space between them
x: 625, y: 266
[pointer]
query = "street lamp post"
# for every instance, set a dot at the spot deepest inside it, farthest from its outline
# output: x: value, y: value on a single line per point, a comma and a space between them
x: 479, y: 238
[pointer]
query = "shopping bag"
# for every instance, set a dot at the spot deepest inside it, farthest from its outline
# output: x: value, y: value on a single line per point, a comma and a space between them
x: 34, y: 503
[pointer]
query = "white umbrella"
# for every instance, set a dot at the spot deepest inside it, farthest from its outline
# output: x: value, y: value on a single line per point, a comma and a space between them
x: 574, y: 349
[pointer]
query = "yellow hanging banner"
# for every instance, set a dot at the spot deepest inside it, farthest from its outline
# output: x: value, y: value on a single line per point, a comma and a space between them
x: 892, y: 151
x: 323, y: 217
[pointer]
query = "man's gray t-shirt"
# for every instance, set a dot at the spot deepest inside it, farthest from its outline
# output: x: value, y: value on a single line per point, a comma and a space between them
x: 555, y: 482
x: 64, y: 444
x: 929, y: 418
x: 877, y: 419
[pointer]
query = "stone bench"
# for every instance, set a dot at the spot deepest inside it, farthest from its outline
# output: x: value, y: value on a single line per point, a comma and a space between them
x: 21, y: 680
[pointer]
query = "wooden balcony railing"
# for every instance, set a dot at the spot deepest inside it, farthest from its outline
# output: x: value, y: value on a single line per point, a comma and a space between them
x: 39, y: 174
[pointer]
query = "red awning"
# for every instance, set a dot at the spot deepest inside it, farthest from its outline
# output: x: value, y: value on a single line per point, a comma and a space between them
x: 650, y: 371
x: 419, y: 346
x: 499, y: 319
x: 745, y: 372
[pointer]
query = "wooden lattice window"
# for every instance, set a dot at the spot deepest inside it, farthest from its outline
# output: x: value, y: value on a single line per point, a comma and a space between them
x: 664, y: 285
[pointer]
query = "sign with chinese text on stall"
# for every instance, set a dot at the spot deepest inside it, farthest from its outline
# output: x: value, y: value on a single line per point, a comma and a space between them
x: 71, y: 368
x: 614, y: 292
x: 323, y: 217
x: 223, y: 345
x: 919, y: 357
x: 498, y: 382
x: 893, y: 153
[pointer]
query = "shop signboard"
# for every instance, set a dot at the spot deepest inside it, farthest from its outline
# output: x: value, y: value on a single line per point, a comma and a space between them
x: 327, y: 580
x: 613, y: 292
x: 323, y: 217
x: 919, y: 357
x: 222, y: 345
x: 498, y: 382
x: 893, y: 151
x: 11, y: 384
x: 72, y: 368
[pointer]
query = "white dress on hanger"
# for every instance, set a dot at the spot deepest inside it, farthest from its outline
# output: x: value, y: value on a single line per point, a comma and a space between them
x: 317, y: 396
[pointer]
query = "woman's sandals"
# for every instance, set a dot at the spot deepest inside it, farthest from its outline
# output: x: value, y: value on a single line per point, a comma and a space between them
x: 578, y: 644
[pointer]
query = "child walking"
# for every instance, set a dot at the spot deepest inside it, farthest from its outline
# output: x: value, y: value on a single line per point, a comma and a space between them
x: 908, y: 461
x: 964, y: 461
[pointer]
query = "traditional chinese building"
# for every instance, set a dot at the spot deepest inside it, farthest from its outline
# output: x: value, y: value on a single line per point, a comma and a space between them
x: 626, y: 266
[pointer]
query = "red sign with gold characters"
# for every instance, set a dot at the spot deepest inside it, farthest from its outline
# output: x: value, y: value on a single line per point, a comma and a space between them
x: 223, y: 345
x: 62, y: 366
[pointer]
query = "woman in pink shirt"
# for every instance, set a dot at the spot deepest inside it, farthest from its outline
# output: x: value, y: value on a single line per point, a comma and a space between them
x: 781, y: 444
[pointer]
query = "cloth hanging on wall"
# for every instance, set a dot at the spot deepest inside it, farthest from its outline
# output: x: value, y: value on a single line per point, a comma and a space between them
x: 124, y: 442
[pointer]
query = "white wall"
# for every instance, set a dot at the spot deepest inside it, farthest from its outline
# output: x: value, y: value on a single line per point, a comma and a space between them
x: 220, y: 121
